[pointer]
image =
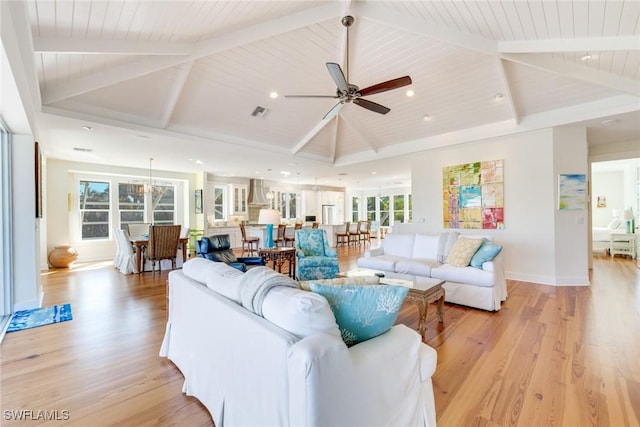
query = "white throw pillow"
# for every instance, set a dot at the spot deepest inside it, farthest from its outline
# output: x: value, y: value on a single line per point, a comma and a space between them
x: 614, y: 224
x: 300, y: 312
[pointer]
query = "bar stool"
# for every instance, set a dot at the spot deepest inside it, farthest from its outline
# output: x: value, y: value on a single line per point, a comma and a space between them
x: 250, y: 244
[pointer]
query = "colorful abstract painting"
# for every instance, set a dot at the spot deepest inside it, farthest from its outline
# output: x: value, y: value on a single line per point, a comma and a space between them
x: 572, y: 191
x: 473, y: 195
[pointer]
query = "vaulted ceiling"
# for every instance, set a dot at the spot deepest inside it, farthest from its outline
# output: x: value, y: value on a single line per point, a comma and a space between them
x: 179, y: 80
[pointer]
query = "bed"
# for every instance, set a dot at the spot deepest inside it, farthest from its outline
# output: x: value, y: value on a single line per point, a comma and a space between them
x: 601, y: 236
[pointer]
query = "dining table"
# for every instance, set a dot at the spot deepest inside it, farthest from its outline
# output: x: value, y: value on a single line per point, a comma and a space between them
x: 141, y: 242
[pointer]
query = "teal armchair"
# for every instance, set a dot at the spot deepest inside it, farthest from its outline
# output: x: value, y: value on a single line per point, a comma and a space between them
x: 315, y: 258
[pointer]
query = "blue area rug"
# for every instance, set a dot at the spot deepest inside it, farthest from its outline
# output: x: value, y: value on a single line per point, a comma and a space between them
x: 26, y: 319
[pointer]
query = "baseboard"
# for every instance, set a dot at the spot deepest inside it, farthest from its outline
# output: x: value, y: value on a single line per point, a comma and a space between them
x: 549, y: 280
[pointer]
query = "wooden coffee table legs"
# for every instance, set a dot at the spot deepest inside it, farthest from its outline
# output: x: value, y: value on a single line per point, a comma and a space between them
x: 422, y: 300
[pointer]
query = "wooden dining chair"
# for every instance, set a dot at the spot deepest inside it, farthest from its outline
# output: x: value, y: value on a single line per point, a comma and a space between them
x: 354, y: 234
x: 280, y: 237
x: 342, y: 237
x: 163, y: 244
x: 365, y: 233
x: 249, y: 244
x: 292, y: 238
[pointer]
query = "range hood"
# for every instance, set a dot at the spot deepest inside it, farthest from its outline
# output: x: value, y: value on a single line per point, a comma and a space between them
x: 256, y: 193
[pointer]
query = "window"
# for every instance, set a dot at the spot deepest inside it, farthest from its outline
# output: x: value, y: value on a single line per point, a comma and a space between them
x: 130, y: 204
x: 371, y: 208
x: 354, y: 209
x: 288, y: 205
x: 218, y: 203
x: 94, y: 210
x: 398, y: 208
x: 410, y: 209
x: 384, y: 210
x: 163, y: 204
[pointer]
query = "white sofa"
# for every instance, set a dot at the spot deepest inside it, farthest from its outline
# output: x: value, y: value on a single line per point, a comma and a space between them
x: 288, y: 367
x: 414, y: 256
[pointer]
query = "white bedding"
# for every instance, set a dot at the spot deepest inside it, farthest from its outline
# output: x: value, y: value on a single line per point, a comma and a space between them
x: 601, y: 234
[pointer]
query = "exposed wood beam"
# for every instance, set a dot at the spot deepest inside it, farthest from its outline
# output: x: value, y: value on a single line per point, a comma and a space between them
x: 208, y: 47
x: 99, y: 47
x: 309, y: 136
x: 509, y: 94
x: 491, y: 47
x: 176, y: 90
x: 366, y: 136
x: 584, y: 44
x: 472, y: 42
x: 578, y: 72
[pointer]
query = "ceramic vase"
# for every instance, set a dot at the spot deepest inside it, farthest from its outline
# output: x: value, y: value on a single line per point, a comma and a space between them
x: 62, y: 256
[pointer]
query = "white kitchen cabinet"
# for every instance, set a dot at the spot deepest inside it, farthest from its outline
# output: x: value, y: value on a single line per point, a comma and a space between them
x: 239, y: 199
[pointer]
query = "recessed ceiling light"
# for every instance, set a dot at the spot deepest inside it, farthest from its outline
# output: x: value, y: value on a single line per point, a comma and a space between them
x: 84, y: 150
x: 410, y: 93
x: 142, y: 137
x: 199, y: 162
x: 373, y: 173
x: 609, y: 122
x: 586, y: 57
x: 498, y: 96
x: 426, y: 117
x: 87, y: 128
x: 285, y: 173
x: 273, y: 95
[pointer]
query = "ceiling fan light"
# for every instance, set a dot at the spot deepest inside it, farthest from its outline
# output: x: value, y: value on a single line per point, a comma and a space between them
x: 410, y: 93
x: 273, y: 95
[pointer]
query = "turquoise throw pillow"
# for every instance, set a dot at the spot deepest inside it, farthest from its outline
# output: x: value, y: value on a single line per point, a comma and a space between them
x: 363, y: 311
x: 486, y: 252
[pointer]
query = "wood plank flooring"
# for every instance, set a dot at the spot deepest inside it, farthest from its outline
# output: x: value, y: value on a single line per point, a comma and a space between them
x: 553, y: 356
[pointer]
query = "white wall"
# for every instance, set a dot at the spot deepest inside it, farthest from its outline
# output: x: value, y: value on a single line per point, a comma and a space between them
x: 61, y: 183
x: 571, y: 226
x: 608, y: 184
x: 530, y: 183
x: 26, y: 243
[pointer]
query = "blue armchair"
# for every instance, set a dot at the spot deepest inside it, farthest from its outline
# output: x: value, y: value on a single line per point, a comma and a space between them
x: 218, y: 248
x: 315, y: 258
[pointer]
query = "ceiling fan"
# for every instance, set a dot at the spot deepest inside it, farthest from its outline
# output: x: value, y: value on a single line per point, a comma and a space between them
x: 347, y: 92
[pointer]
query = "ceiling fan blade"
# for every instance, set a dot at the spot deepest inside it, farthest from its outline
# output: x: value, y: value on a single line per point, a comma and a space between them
x: 385, y: 86
x: 311, y: 96
x: 338, y: 76
x: 371, y: 106
x: 335, y: 110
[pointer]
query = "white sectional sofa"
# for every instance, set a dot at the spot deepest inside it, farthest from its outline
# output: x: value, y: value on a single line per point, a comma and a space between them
x: 266, y: 353
x: 414, y: 256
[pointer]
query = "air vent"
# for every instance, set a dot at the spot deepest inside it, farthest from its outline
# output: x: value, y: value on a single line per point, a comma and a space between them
x: 260, y: 112
x: 84, y: 150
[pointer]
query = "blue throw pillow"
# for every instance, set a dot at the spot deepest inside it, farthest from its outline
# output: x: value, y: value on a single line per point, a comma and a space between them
x: 363, y: 311
x: 486, y: 252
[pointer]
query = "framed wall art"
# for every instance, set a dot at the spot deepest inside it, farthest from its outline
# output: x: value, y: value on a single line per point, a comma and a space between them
x: 572, y: 191
x: 473, y: 195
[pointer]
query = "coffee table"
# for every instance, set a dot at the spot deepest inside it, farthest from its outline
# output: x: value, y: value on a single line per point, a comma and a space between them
x: 421, y: 292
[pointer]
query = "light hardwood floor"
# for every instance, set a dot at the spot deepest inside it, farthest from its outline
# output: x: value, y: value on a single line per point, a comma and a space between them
x: 553, y: 356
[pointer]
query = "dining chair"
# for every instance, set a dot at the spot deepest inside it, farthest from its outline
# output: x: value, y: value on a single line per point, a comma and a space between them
x: 250, y: 244
x: 342, y: 237
x: 354, y: 233
x: 314, y: 225
x: 280, y: 236
x: 125, y: 258
x: 163, y: 244
x: 365, y: 234
x: 292, y: 238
